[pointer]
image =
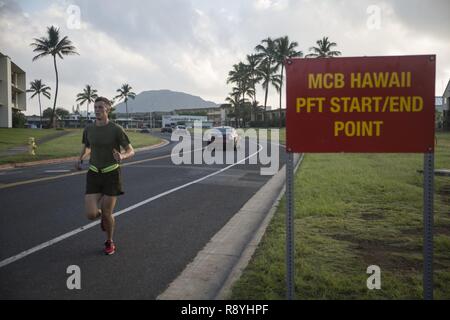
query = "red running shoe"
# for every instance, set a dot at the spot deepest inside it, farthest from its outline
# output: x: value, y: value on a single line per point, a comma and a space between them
x: 110, y: 247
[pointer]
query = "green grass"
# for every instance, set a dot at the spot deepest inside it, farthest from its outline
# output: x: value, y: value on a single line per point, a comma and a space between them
x: 352, y: 211
x: 10, y: 138
x: 70, y: 145
x: 281, y: 136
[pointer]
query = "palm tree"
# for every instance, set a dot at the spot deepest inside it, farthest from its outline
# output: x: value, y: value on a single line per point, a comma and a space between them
x: 235, y: 75
x: 38, y: 87
x: 125, y: 93
x: 253, y: 72
x: 243, y: 75
x: 240, y: 76
x: 270, y: 77
x: 267, y: 58
x: 255, y: 76
x: 236, y: 102
x: 88, y: 95
x: 283, y: 50
x: 323, y: 49
x: 52, y: 45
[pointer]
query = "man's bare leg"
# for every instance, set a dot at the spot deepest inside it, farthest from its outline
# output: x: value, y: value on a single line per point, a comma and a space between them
x: 108, y: 204
x: 91, y: 205
x: 99, y: 205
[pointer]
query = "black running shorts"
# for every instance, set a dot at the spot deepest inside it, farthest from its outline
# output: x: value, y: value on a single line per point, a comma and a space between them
x: 109, y: 183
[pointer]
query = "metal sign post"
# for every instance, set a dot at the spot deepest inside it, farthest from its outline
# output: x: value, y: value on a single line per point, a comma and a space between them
x: 290, y: 225
x: 428, y: 192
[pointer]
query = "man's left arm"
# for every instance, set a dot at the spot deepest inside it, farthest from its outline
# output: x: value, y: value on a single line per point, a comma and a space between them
x: 129, y: 152
x: 124, y: 142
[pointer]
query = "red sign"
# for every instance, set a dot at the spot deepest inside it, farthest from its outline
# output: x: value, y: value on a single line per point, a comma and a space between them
x: 363, y: 104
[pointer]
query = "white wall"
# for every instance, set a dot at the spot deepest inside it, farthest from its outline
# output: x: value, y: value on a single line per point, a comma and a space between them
x: 5, y: 93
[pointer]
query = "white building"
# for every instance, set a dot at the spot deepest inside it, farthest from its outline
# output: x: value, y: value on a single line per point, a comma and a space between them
x: 445, y: 105
x: 186, y: 120
x: 12, y: 90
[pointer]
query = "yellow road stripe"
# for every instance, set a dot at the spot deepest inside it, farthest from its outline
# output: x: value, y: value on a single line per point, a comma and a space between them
x: 15, y: 184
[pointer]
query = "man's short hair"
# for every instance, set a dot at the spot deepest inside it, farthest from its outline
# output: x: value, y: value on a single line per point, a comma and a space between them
x: 105, y: 100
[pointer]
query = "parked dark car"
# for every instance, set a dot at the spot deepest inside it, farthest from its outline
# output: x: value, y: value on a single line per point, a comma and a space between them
x: 166, y: 128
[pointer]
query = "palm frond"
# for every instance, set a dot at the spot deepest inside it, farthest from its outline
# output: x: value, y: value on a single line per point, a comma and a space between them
x: 46, y: 94
x: 41, y: 55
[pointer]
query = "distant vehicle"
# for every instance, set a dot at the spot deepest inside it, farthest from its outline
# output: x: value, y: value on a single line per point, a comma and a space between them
x: 166, y: 128
x: 180, y: 130
x: 228, y: 136
x: 145, y: 130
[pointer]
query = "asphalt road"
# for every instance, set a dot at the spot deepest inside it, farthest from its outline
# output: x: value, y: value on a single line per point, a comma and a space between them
x: 167, y: 215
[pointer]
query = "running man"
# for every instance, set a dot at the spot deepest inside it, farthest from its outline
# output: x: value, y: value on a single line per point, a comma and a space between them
x: 102, y: 140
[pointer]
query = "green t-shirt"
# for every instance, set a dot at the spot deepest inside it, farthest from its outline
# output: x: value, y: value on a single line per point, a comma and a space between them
x: 102, y: 140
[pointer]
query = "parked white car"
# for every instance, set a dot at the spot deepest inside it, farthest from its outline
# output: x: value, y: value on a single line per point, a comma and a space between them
x: 180, y: 130
x: 225, y: 134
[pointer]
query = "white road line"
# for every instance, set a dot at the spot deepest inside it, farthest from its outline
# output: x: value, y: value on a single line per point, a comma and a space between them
x: 92, y: 224
x: 57, y: 171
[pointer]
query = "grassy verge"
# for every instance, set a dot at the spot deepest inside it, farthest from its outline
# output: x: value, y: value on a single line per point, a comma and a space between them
x: 70, y: 145
x: 10, y: 138
x: 352, y: 211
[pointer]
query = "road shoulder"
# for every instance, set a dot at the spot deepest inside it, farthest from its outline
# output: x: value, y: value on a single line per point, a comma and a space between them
x: 220, y: 263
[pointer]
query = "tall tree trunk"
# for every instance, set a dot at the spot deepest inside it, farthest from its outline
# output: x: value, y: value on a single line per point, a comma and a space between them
x: 56, y: 94
x: 265, y: 102
x: 40, y: 111
x: 243, y: 108
x: 87, y: 113
x: 254, y: 109
x: 254, y: 91
x: 126, y: 106
x: 281, y: 91
x: 79, y: 114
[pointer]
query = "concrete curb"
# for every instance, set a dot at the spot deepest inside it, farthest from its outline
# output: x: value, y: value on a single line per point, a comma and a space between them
x: 68, y: 159
x: 220, y: 263
x: 236, y: 272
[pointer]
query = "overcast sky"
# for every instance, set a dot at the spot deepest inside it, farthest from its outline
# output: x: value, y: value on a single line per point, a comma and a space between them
x: 190, y: 45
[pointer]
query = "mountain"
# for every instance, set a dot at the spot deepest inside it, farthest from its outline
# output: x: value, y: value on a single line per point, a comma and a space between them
x: 163, y: 100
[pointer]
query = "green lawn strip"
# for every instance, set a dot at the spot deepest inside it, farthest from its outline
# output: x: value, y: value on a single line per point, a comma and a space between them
x: 255, y: 132
x: 70, y: 145
x: 352, y: 211
x: 14, y: 137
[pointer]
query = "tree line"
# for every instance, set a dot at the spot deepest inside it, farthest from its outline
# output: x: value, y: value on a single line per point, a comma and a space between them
x: 265, y: 67
x: 53, y: 44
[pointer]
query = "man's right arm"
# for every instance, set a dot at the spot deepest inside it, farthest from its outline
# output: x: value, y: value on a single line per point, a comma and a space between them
x: 85, y: 151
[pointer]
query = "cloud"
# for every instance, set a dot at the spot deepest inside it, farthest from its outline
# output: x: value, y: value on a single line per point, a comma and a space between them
x: 191, y: 45
x: 425, y: 17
